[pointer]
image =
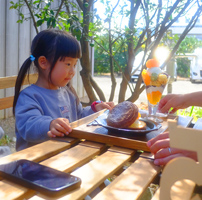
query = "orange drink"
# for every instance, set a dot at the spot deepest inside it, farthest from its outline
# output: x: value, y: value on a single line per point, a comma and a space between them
x: 155, y: 81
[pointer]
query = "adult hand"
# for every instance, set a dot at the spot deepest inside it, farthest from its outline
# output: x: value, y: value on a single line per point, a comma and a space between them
x: 175, y: 101
x: 163, y: 153
x: 104, y: 105
x: 59, y: 127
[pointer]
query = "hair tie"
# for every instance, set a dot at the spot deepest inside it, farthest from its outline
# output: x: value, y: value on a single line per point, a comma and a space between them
x: 32, y: 58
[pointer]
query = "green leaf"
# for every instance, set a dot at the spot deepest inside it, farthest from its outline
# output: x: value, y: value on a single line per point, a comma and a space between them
x: 69, y: 21
x: 53, y: 22
x: 49, y: 22
x: 20, y: 21
x: 37, y: 15
x: 39, y: 22
x: 35, y: 2
x: 11, y: 7
x: 74, y: 17
x: 52, y: 12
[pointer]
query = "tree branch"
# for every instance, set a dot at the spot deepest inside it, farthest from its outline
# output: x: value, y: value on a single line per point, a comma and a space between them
x: 30, y: 10
x: 60, y: 7
x: 67, y: 7
x: 80, y: 3
x: 158, y: 16
x: 185, y: 32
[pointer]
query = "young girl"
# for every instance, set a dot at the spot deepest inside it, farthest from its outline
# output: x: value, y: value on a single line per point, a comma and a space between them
x: 45, y: 109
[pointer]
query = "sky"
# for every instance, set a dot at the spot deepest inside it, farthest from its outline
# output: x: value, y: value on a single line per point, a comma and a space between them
x: 101, y: 12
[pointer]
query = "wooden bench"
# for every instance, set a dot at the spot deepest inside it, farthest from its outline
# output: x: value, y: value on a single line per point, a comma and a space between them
x: 9, y: 82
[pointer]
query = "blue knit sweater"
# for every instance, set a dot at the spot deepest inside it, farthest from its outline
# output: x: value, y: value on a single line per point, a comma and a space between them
x: 37, y: 107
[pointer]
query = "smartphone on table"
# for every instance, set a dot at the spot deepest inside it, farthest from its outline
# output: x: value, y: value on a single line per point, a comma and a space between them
x: 38, y: 177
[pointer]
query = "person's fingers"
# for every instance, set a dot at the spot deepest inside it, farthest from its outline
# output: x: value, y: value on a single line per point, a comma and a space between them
x: 104, y: 105
x: 161, y: 136
x: 166, y: 152
x: 56, y: 132
x: 164, y: 161
x: 166, y: 107
x: 59, y: 128
x: 50, y: 134
x: 63, y: 126
x: 66, y: 126
x: 160, y: 144
x: 162, y: 103
x: 111, y: 104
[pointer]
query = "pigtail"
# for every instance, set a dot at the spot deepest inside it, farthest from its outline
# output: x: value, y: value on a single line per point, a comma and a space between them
x: 20, y: 78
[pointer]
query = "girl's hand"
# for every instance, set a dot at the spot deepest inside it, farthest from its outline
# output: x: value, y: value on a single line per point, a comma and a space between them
x: 59, y: 127
x: 163, y: 153
x: 104, y: 105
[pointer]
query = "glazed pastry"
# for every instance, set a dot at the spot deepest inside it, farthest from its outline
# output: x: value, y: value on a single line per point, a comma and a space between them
x: 125, y: 115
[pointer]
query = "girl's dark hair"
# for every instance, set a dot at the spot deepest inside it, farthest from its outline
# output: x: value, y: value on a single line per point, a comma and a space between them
x: 53, y: 44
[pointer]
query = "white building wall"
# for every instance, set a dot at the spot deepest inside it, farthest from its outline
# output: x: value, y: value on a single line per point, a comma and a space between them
x: 15, y: 43
x: 179, y: 26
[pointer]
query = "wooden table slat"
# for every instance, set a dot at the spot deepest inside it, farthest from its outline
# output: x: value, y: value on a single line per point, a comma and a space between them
x: 132, y: 182
x: 9, y: 190
x: 38, y: 152
x: 72, y: 158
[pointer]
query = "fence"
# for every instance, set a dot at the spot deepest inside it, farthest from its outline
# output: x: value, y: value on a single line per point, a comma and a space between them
x: 15, y: 42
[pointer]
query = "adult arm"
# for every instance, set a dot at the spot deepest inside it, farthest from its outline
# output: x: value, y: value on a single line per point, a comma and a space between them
x: 180, y: 101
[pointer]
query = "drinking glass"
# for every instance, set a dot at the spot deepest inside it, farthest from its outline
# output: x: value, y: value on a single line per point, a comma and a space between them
x: 155, y: 85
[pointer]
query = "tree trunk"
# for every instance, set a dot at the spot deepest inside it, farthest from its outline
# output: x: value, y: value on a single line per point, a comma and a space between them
x: 86, y: 71
x: 131, y: 56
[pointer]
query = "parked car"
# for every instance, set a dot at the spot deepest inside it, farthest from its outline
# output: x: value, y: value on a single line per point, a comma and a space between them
x: 196, y: 66
x: 135, y: 76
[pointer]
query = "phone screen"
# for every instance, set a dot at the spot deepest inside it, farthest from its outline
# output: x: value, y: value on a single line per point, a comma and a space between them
x: 39, y: 175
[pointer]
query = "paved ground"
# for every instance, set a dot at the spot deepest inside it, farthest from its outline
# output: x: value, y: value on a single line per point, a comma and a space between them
x: 180, y: 86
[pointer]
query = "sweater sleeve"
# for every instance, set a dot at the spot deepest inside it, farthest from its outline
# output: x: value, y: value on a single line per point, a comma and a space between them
x: 31, y: 123
x: 84, y: 111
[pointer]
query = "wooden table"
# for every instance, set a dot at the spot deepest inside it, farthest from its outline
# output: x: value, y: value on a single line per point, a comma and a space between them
x: 93, y: 157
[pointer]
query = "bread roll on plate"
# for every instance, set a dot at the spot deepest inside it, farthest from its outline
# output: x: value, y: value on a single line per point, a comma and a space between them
x: 125, y: 115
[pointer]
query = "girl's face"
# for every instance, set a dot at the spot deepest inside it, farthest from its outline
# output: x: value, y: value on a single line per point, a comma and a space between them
x: 63, y: 72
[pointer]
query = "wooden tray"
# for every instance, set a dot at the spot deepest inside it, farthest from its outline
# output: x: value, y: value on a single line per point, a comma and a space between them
x: 102, y: 135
